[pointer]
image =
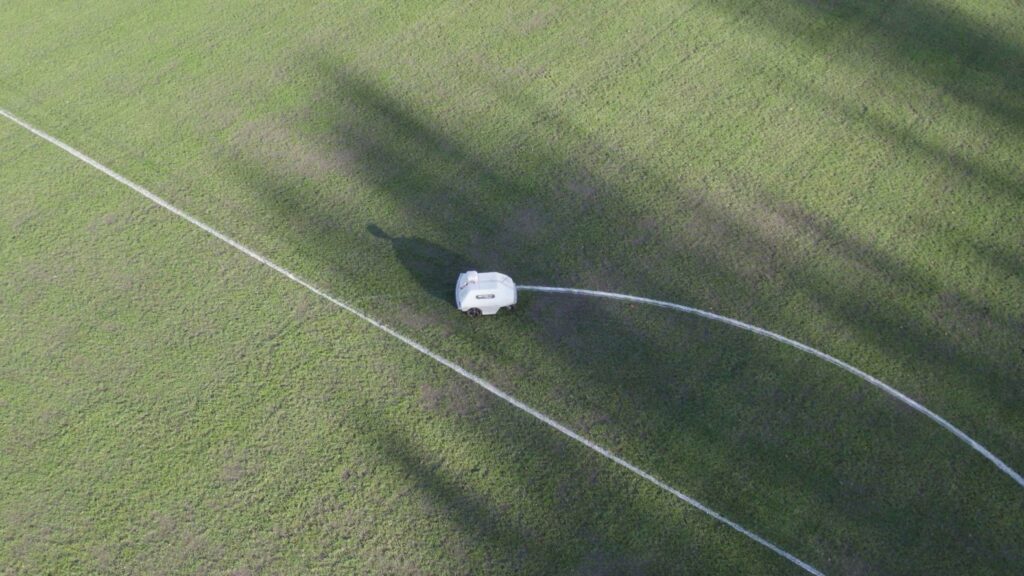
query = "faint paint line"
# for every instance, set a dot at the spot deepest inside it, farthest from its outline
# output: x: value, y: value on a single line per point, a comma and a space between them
x: 800, y: 346
x: 412, y: 343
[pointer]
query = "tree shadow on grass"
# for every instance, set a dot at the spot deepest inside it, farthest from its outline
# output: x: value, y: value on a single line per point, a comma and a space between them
x: 673, y: 409
x: 940, y: 45
x: 959, y: 339
x: 500, y: 518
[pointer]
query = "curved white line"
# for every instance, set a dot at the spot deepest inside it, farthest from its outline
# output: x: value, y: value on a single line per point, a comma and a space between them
x: 800, y: 346
x: 413, y: 344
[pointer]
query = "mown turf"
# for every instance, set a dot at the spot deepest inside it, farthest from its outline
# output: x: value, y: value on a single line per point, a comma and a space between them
x: 848, y: 174
x: 171, y: 406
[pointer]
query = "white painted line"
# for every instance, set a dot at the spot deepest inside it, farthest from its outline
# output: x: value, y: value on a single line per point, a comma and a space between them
x: 800, y: 346
x: 412, y: 343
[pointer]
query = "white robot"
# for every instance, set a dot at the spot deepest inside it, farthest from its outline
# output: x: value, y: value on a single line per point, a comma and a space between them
x: 484, y: 293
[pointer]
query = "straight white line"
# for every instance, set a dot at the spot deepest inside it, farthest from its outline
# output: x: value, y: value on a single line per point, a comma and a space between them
x: 412, y: 343
x: 800, y: 346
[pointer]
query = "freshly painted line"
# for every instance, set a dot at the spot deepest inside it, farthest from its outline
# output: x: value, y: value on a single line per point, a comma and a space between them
x: 800, y: 346
x: 412, y: 343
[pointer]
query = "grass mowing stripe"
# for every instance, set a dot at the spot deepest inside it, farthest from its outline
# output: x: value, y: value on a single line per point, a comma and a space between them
x: 799, y: 346
x: 412, y: 343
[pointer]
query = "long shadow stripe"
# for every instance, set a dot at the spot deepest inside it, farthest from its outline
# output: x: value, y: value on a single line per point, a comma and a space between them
x: 799, y: 346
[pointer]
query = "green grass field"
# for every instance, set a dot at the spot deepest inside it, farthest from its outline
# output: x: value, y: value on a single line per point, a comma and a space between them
x: 849, y: 174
